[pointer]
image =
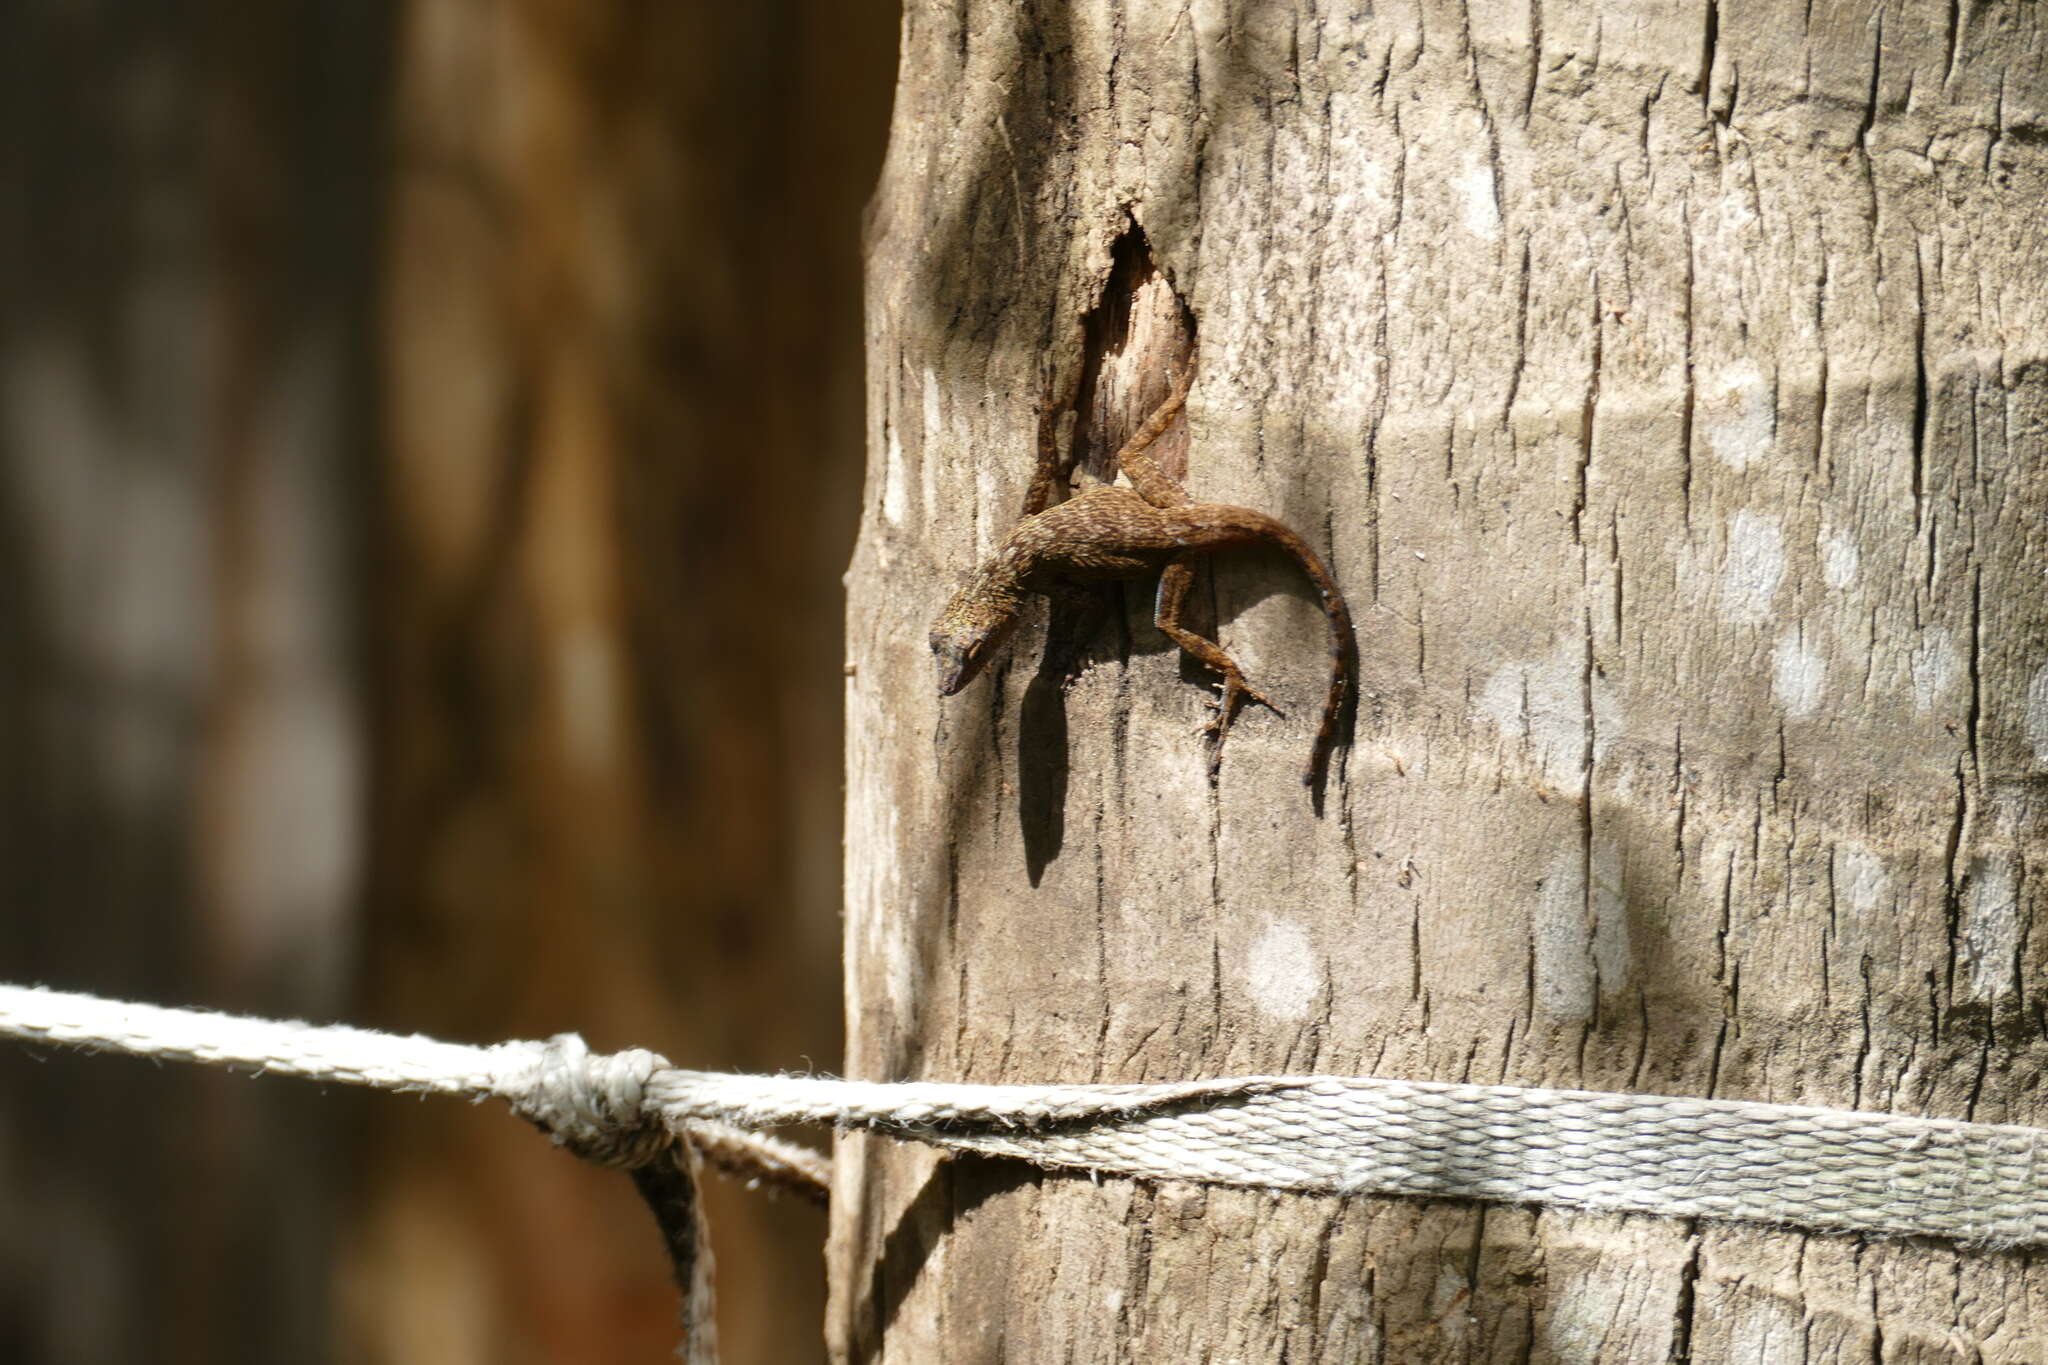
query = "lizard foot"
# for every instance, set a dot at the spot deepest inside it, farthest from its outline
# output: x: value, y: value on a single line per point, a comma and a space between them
x: 1236, y: 692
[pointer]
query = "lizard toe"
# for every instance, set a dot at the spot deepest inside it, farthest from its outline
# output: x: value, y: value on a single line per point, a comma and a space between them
x: 1236, y: 687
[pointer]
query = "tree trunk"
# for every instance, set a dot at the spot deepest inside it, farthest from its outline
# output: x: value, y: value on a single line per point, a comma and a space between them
x: 1666, y: 386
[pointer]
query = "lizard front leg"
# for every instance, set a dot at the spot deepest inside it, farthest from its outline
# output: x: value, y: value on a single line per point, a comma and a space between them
x: 1174, y: 582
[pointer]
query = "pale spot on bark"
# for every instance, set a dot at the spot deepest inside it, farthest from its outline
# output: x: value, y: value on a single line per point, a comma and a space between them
x: 2037, y: 714
x: 1991, y: 927
x: 1607, y: 715
x: 1610, y: 916
x: 1543, y: 702
x: 1860, y: 878
x: 1736, y: 214
x: 1862, y: 909
x: 1799, y: 672
x: 1767, y: 1327
x: 1935, y: 664
x: 883, y: 920
x: 931, y: 404
x: 1282, y: 973
x: 1754, y: 566
x: 1840, y: 560
x: 1211, y: 21
x: 934, y: 441
x: 1740, y: 417
x: 989, y: 525
x: 895, y: 945
x: 1481, y: 207
x: 1580, y: 1319
x: 1447, y: 1307
x: 1564, y: 948
x: 2014, y: 810
x: 895, y: 483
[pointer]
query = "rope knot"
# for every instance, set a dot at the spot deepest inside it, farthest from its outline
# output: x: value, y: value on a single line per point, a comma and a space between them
x: 595, y: 1103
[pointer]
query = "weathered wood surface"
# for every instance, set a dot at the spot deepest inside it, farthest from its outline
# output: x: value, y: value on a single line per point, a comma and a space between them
x: 1668, y: 384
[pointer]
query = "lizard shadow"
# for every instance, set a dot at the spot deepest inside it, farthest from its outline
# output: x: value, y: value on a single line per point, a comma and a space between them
x: 1113, y: 622
x: 1044, y: 757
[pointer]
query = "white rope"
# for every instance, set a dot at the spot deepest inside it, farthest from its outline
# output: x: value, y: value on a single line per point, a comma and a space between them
x: 1818, y: 1169
x: 349, y: 1056
x: 589, y: 1102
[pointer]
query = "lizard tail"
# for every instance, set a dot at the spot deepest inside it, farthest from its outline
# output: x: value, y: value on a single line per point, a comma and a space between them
x: 1343, y: 663
x: 1343, y: 645
x: 1247, y: 528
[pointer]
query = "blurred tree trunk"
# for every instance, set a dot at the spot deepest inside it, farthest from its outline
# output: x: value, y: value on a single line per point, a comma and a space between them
x: 1667, y: 383
x: 184, y: 261
x: 619, y: 486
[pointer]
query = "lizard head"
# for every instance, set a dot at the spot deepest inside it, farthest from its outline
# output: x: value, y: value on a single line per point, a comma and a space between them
x: 971, y: 631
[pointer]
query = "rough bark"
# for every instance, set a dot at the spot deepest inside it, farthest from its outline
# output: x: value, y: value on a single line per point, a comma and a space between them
x: 1667, y: 383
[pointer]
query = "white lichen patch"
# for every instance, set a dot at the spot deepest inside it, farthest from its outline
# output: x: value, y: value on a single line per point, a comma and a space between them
x: 1861, y: 882
x: 1607, y: 716
x: 1447, y: 1298
x: 934, y: 441
x: 1564, y: 941
x: 1544, y: 703
x: 1610, y: 917
x: 2037, y: 715
x: 1737, y: 213
x: 1282, y: 974
x: 1799, y: 672
x: 1739, y: 416
x: 1760, y: 1325
x: 1933, y: 666
x: 1479, y: 203
x: 2014, y: 813
x: 1863, y: 915
x: 989, y: 524
x: 1582, y: 1315
x: 883, y: 919
x: 1840, y: 560
x: 1753, y: 566
x: 1991, y: 927
x: 895, y: 480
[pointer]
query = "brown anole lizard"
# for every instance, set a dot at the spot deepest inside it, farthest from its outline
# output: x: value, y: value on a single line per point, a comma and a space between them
x: 1120, y: 533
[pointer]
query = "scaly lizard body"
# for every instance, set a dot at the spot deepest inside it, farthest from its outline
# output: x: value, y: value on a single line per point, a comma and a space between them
x: 1119, y: 533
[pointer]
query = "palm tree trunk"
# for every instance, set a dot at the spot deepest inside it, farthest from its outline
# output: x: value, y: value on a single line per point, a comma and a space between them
x: 1666, y: 388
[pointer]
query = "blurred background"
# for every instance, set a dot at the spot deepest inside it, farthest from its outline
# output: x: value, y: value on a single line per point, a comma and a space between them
x: 430, y: 436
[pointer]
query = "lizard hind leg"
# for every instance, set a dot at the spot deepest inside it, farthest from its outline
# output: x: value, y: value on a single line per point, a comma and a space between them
x: 1174, y: 582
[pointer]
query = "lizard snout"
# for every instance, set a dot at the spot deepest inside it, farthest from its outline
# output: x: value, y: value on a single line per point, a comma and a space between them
x: 956, y: 665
